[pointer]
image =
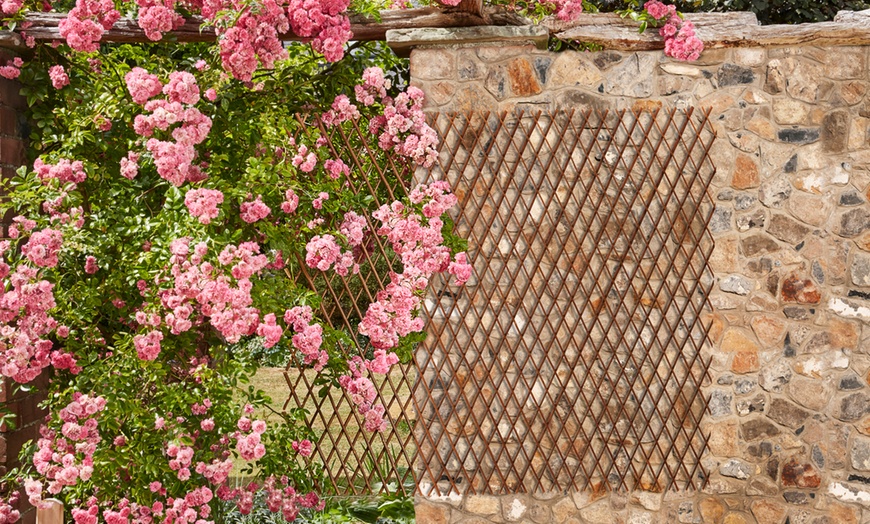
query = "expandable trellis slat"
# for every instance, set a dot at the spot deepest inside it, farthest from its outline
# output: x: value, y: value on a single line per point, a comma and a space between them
x: 572, y: 359
x: 356, y: 461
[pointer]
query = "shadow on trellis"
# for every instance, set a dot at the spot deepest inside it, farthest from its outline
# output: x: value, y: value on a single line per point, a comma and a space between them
x: 573, y: 358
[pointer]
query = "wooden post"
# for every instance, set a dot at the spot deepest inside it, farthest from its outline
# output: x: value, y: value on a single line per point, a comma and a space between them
x: 51, y: 514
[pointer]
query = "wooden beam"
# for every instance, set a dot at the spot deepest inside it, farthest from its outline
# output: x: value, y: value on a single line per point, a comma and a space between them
x: 44, y: 26
x: 719, y: 30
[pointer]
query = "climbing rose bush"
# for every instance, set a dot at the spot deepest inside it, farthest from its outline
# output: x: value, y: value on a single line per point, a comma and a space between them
x: 149, y: 252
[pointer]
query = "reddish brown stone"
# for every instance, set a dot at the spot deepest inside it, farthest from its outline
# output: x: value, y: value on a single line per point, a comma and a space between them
x: 522, y: 77
x: 802, y: 291
x: 745, y: 173
x: 745, y: 362
x: 800, y: 475
x: 646, y: 105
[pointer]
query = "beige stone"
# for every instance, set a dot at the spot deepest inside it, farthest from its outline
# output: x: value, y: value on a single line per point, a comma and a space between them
x: 428, y: 513
x: 481, y: 504
x: 852, y: 92
x: 768, y: 512
x: 564, y: 509
x: 711, y: 509
x: 724, y: 257
x: 599, y: 514
x: 718, y: 103
x: 723, y: 438
x: 842, y: 514
x: 735, y: 518
x: 572, y: 69
x: 809, y: 208
x: 433, y: 64
x: 762, y: 127
x: 787, y: 111
x: 813, y: 394
x: 769, y: 329
x: 736, y: 340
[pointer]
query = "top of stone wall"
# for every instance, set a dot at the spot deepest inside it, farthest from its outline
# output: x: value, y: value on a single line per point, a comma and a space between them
x: 717, y: 30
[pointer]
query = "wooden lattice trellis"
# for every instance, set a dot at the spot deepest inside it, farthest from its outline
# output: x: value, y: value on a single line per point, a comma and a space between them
x: 573, y: 360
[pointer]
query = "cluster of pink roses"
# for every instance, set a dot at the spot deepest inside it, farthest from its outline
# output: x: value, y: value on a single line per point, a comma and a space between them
x: 26, y: 323
x: 280, y: 497
x: 680, y: 39
x: 248, y: 437
x: 174, y: 159
x: 84, y: 25
x: 65, y: 171
x: 65, y: 458
x: 402, y: 126
x: 418, y: 241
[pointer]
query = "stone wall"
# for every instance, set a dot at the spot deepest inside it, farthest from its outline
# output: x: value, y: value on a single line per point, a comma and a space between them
x: 789, y: 404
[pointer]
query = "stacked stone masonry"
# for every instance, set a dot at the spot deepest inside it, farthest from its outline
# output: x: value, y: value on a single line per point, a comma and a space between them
x: 789, y: 403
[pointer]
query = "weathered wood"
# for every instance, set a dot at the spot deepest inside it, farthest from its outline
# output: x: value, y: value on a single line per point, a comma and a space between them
x: 472, y: 7
x: 401, y: 41
x: 44, y: 26
x: 11, y: 40
x: 720, y: 31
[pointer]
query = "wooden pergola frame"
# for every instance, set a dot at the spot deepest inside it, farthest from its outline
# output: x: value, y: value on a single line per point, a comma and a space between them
x: 717, y: 30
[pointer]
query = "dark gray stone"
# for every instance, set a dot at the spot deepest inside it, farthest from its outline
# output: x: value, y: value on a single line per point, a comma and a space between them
x: 733, y: 74
x: 791, y: 165
x: 720, y: 403
x: 605, y: 59
x: 789, y: 349
x: 542, y: 68
x: 851, y: 198
x: 758, y: 244
x: 744, y: 201
x: 787, y: 229
x: 796, y: 313
x: 752, y: 220
x: 854, y: 407
x: 798, y: 136
x: 761, y: 450
x: 787, y: 414
x: 850, y: 383
x: 817, y: 456
x: 744, y: 386
x: 854, y: 222
x: 818, y: 272
x: 796, y: 497
x: 749, y: 406
x: 758, y: 429
x: 725, y: 195
x: 721, y: 220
